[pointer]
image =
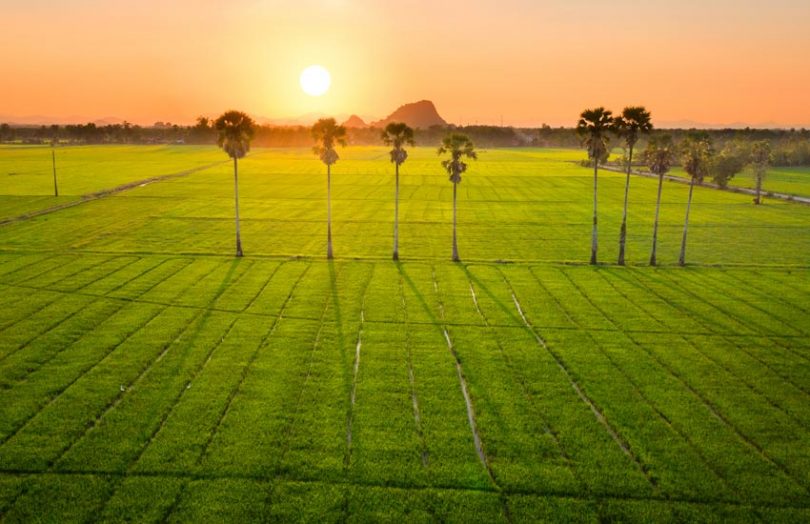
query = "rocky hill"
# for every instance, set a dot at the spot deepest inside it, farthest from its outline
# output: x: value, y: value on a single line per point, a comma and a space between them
x: 355, y: 122
x: 422, y: 114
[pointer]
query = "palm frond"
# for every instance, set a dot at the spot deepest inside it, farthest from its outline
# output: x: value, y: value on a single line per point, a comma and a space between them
x: 235, y: 130
x: 327, y: 133
x: 458, y: 146
x: 659, y: 155
x: 633, y: 121
x: 696, y: 153
x: 593, y: 128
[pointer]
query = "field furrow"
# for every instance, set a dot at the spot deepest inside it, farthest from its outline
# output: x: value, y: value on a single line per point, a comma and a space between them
x: 147, y: 374
x: 711, y: 399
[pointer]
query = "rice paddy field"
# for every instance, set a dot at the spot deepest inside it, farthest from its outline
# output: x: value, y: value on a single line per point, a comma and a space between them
x: 148, y: 375
x: 785, y: 180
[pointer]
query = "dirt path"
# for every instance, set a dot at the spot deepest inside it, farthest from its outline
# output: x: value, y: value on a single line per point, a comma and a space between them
x: 89, y: 197
x: 742, y: 190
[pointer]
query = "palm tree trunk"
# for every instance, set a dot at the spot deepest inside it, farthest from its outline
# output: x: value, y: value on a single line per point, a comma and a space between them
x: 455, y: 243
x: 53, y: 161
x: 623, y: 233
x: 396, y: 215
x: 594, y: 243
x: 329, y: 212
x: 682, y: 258
x: 236, y: 202
x: 655, y: 224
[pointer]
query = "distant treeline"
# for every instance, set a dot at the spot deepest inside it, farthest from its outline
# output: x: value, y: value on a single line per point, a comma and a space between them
x: 791, y: 147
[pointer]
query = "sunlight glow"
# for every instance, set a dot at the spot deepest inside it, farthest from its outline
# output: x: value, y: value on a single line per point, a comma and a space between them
x: 315, y: 80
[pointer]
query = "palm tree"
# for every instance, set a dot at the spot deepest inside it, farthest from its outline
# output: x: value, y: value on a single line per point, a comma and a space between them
x: 397, y: 134
x: 235, y: 130
x: 633, y: 121
x: 696, y: 152
x: 327, y: 135
x: 659, y: 157
x: 760, y: 160
x: 458, y: 146
x: 593, y: 128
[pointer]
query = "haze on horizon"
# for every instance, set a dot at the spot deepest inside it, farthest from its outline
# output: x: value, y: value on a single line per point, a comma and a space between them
x: 527, y: 62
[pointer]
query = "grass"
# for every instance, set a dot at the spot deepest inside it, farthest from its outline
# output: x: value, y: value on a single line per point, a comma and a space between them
x: 26, y: 172
x: 146, y: 374
x: 514, y: 205
x: 786, y: 180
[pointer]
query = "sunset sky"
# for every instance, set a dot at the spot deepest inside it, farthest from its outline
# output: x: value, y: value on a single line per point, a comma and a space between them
x: 526, y: 61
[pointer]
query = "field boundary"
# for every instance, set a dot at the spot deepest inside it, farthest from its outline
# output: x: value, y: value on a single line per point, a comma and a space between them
x: 289, y: 257
x: 89, y: 197
x: 287, y: 478
x: 788, y: 197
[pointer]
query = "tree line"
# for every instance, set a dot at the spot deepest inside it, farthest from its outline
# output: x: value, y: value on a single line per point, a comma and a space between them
x: 234, y: 131
x: 595, y: 128
x: 790, y: 147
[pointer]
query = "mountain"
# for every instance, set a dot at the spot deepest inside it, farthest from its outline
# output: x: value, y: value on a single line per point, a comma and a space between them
x: 355, y: 122
x: 44, y: 120
x: 109, y: 121
x: 301, y: 120
x: 692, y: 124
x: 420, y: 114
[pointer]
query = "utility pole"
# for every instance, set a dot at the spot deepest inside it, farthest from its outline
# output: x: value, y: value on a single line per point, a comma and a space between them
x: 53, y: 162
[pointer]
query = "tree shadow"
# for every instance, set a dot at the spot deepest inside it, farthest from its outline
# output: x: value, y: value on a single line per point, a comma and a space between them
x: 420, y: 297
x: 345, y: 364
x: 341, y: 336
x: 469, y: 398
x: 509, y: 311
x: 202, y: 321
x: 333, y: 274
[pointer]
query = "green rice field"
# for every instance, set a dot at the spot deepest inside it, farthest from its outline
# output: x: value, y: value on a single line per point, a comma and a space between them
x: 785, y: 180
x: 148, y: 375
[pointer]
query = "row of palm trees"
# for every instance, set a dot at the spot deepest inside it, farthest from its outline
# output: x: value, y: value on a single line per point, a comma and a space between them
x: 595, y: 126
x: 694, y: 153
x: 235, y: 130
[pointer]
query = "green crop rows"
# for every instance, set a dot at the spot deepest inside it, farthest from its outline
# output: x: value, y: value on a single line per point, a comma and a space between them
x: 785, y: 180
x: 147, y: 375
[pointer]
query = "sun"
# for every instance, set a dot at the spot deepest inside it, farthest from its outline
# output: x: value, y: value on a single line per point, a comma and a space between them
x: 315, y: 80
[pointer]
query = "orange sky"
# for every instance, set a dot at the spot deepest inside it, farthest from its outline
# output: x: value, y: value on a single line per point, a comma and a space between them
x: 528, y: 61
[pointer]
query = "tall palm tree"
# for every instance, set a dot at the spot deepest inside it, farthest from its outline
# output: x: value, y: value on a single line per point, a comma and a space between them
x: 327, y: 135
x: 696, y: 153
x: 397, y: 134
x: 593, y: 128
x: 760, y: 160
x: 659, y: 157
x: 459, y: 146
x: 633, y: 121
x: 235, y: 130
